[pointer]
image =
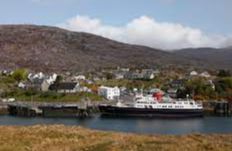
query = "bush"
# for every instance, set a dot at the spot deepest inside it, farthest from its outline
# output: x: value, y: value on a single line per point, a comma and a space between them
x: 30, y: 92
x: 19, y: 75
x: 224, y: 73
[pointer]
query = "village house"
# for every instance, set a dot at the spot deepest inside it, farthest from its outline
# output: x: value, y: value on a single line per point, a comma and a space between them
x: 123, y: 69
x: 78, y: 78
x: 65, y: 87
x: 119, y: 74
x: 34, y: 77
x: 110, y: 93
x: 133, y: 75
x: 21, y: 85
x: 211, y: 84
x: 6, y: 72
x: 172, y: 92
x: 205, y: 74
x: 40, y: 82
x: 146, y: 74
x: 35, y: 84
x: 193, y: 73
x: 45, y: 86
x: 83, y: 89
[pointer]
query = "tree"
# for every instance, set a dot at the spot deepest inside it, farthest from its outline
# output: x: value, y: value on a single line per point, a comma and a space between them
x: 223, y: 87
x: 224, y: 73
x: 19, y: 75
x: 59, y: 78
x: 200, y: 89
x: 109, y: 76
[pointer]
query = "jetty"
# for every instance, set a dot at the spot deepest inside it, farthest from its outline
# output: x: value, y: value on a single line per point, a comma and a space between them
x: 28, y: 109
x: 220, y: 108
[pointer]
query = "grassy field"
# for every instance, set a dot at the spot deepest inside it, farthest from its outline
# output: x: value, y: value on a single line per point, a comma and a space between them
x: 61, y: 138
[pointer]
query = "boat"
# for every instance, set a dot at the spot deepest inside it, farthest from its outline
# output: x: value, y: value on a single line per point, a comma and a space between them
x: 154, y: 106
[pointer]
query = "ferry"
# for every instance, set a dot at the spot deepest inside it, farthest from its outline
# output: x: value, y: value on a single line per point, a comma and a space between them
x: 154, y: 106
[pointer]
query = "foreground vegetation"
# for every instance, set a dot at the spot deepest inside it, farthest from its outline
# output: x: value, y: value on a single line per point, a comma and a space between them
x: 61, y: 138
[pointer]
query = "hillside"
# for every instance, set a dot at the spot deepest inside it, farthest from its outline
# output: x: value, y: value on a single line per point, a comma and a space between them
x: 51, y: 49
x: 43, y: 48
x: 217, y: 58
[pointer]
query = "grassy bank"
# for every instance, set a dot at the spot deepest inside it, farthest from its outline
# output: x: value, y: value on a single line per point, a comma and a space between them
x: 37, y: 96
x: 61, y: 138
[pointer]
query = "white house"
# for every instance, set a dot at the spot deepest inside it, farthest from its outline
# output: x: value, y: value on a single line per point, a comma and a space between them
x: 205, y: 74
x: 79, y: 77
x: 109, y: 92
x: 193, y: 73
x: 32, y: 76
x: 21, y: 85
x: 52, y: 79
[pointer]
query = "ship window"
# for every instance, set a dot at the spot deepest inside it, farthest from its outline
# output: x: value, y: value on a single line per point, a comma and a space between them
x: 150, y: 106
x: 169, y: 106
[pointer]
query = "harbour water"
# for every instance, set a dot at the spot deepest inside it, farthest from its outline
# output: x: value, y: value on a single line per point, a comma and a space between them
x: 208, y: 124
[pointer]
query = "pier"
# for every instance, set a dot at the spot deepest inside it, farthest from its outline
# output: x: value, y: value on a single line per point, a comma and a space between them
x: 221, y: 108
x: 3, y: 108
x: 50, y: 109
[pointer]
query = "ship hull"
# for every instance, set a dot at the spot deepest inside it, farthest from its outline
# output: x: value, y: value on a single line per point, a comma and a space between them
x: 141, y: 112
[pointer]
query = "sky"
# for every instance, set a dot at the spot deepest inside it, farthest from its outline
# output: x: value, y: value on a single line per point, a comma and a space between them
x: 165, y: 24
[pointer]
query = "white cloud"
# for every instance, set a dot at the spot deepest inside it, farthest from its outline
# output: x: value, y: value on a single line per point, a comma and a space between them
x: 147, y: 31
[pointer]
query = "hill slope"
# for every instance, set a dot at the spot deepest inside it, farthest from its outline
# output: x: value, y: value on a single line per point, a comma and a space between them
x: 43, y: 48
x: 216, y: 58
x: 52, y: 49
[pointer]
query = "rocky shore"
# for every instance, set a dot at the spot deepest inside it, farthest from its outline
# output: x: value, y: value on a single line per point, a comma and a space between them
x: 64, y: 138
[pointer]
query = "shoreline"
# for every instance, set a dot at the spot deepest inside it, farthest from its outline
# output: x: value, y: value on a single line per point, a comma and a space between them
x: 60, y: 137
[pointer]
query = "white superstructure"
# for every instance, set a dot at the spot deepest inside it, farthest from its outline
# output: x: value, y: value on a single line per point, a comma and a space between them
x: 150, y: 102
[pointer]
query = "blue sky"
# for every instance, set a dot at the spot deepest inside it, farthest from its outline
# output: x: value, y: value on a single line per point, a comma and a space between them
x: 212, y: 17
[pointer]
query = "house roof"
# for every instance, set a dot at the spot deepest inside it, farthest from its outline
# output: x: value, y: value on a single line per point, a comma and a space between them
x: 63, y: 86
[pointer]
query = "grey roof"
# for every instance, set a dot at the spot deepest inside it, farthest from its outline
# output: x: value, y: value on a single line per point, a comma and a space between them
x: 63, y: 86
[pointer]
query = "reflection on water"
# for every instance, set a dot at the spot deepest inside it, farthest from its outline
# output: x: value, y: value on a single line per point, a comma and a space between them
x: 135, y: 125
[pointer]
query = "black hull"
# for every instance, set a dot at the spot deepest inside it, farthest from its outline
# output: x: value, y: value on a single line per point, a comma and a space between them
x: 139, y: 112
